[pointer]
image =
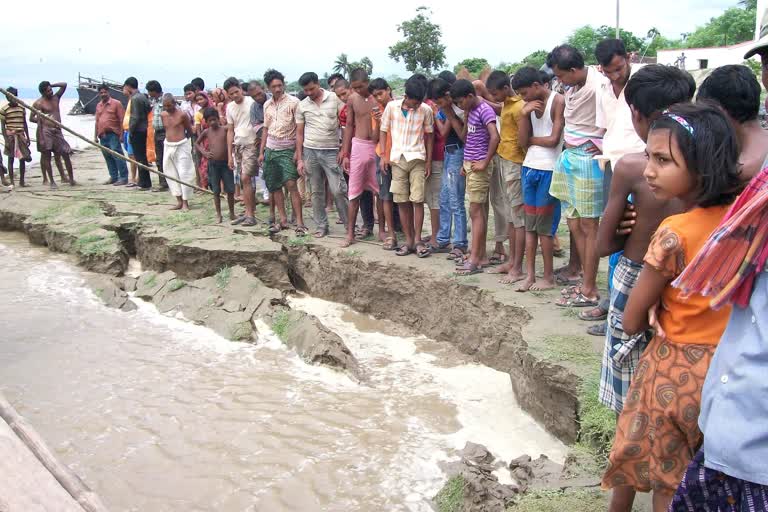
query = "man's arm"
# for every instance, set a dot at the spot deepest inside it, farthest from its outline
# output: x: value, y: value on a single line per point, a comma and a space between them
x: 644, y: 296
x: 346, y: 146
x: 263, y: 148
x: 95, y: 127
x: 558, y: 124
x: 607, y: 240
x: 493, y: 145
x: 429, y: 143
x: 120, y: 116
x: 187, y: 124
x: 482, y: 91
x: 298, y: 155
x: 33, y: 116
x: 62, y: 88
x: 524, y: 131
x: 230, y: 143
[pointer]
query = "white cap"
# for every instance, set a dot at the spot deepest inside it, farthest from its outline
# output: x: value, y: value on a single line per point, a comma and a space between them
x: 762, y: 42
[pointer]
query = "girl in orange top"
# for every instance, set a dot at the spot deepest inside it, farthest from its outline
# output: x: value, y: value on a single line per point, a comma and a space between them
x: 692, y: 155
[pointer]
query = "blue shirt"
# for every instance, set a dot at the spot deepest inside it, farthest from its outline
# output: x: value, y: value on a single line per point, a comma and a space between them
x: 734, y: 400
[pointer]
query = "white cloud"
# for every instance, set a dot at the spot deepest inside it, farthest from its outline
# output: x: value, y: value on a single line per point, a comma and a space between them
x: 172, y: 41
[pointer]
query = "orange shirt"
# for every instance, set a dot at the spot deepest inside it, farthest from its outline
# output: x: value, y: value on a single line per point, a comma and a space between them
x: 375, y: 124
x: 675, y: 243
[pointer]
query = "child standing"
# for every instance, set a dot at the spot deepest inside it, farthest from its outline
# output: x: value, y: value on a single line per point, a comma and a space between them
x: 482, y: 139
x: 381, y: 91
x: 212, y: 144
x: 692, y: 156
x: 203, y: 102
x: 541, y: 131
x: 16, y: 133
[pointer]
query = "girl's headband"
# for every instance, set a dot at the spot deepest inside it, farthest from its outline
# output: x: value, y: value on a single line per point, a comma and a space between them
x: 679, y: 120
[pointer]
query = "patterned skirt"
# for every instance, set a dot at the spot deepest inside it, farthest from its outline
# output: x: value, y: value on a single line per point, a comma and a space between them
x: 577, y: 182
x: 658, y: 433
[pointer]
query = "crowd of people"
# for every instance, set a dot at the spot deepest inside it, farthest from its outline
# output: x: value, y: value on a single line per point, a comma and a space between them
x: 673, y: 192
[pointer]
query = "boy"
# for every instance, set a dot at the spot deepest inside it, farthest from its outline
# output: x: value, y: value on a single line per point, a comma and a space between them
x: 177, y: 153
x: 218, y: 165
x: 541, y: 132
x: 410, y: 123
x: 649, y: 92
x: 511, y: 155
x: 16, y: 134
x: 381, y: 91
x: 259, y: 96
x: 482, y: 139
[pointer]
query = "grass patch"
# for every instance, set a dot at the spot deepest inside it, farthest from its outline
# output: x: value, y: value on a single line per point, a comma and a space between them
x: 598, y: 423
x: 96, y: 244
x: 569, y: 313
x: 281, y: 323
x: 240, y: 331
x: 559, y: 501
x: 297, y: 241
x: 451, y: 496
x: 87, y: 228
x: 223, y: 276
x: 176, y: 285
x: 48, y: 213
x: 150, y: 280
x: 567, y: 349
x: 354, y: 253
x: 89, y: 210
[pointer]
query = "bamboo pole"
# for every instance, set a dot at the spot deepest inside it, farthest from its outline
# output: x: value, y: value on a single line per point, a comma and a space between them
x: 48, y: 118
x: 88, y: 500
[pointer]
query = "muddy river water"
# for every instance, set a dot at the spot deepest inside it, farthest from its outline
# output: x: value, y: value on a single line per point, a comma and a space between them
x: 156, y: 414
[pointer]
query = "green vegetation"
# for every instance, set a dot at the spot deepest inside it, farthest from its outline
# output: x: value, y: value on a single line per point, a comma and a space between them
x: 89, y: 210
x: 150, y: 280
x: 96, y: 244
x: 451, y: 496
x: 298, y: 241
x: 48, y: 213
x: 344, y: 66
x: 560, y: 501
x: 176, y: 284
x: 598, y: 423
x: 87, y: 228
x: 420, y: 46
x: 281, y: 323
x: 354, y: 253
x: 474, y: 65
x: 566, y: 350
x: 223, y: 276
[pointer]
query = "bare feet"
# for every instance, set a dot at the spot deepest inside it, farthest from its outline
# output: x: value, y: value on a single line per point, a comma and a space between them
x: 73, y: 183
x: 347, y: 242
x: 513, y: 277
x: 54, y: 186
x: 526, y: 285
x: 542, y: 285
x: 501, y: 269
x: 219, y: 220
x: 176, y: 207
x: 185, y: 208
x: 232, y: 216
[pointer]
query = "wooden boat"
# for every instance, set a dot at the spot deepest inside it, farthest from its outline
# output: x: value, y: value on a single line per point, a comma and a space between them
x: 88, y: 93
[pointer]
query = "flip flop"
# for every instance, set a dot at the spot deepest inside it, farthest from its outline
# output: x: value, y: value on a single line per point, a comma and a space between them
x: 563, y: 281
x: 423, y: 251
x: 455, y: 253
x: 497, y: 259
x: 586, y: 316
x: 597, y: 330
x: 468, y: 269
x: 238, y: 220
x: 390, y: 244
x: 248, y: 222
x: 579, y: 301
x: 441, y: 249
x: 302, y: 231
x: 404, y: 251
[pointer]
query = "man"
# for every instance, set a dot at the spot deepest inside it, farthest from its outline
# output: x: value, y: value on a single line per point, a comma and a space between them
x: 620, y: 139
x: 16, y: 134
x: 178, y: 151
x: 730, y: 472
x: 358, y: 154
x: 108, y: 132
x: 335, y: 77
x: 279, y: 155
x: 198, y: 83
x: 317, y: 148
x: 50, y: 138
x: 577, y: 180
x: 411, y: 125
x: 736, y: 91
x: 259, y: 96
x: 241, y: 144
x: 155, y: 93
x: 137, y: 128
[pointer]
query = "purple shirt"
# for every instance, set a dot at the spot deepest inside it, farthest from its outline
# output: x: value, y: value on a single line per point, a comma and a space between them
x: 477, y: 134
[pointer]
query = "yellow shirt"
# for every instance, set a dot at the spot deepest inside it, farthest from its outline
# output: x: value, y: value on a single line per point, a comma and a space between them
x: 127, y: 116
x: 511, y: 112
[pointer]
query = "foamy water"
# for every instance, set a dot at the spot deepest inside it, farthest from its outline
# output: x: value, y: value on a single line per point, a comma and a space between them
x: 158, y: 414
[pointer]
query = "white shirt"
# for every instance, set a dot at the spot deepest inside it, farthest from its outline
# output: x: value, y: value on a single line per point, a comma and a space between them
x: 614, y: 114
x: 239, y: 116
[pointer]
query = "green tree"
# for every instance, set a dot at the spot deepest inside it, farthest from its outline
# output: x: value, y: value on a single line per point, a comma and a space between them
x: 420, y: 46
x: 585, y: 39
x: 341, y: 65
x: 535, y: 60
x: 735, y: 25
x: 474, y: 65
x: 364, y: 63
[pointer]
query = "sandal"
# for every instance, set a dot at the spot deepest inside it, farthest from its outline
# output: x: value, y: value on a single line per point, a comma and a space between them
x: 589, y: 316
x: 598, y: 330
x: 320, y: 234
x: 564, y: 281
x: 497, y: 259
x: 468, y: 269
x: 455, y: 253
x: 363, y: 234
x: 441, y: 249
x: 423, y: 251
x: 301, y: 231
x: 390, y: 244
x: 404, y: 251
x: 579, y: 301
x: 248, y: 222
x: 238, y: 220
x: 274, y: 229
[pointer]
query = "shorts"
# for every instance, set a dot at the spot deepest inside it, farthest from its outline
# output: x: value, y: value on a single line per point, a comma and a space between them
x: 127, y: 144
x: 385, y: 181
x: 247, y: 159
x: 279, y: 168
x: 433, y: 185
x: 408, y: 181
x: 478, y: 183
x: 511, y: 173
x: 540, y: 207
x: 218, y: 171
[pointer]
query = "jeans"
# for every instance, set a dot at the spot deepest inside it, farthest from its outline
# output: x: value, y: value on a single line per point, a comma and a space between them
x: 452, y: 209
x: 139, y: 143
x: 118, y: 170
x: 321, y: 164
x: 159, y: 150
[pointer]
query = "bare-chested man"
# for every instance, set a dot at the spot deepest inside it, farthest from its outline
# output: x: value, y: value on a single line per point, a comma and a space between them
x: 50, y: 138
x: 358, y: 153
x: 177, y: 157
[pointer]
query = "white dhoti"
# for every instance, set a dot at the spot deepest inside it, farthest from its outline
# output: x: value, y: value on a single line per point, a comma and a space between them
x: 178, y: 163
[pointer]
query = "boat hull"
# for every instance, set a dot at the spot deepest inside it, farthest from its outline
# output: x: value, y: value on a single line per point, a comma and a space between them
x: 89, y: 97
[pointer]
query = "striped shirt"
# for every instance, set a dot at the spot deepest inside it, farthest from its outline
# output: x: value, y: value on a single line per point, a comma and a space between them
x: 280, y: 117
x: 407, y: 128
x: 14, y: 119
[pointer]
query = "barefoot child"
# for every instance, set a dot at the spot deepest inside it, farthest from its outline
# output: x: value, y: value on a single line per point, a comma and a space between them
x: 177, y: 157
x: 381, y: 91
x: 540, y: 130
x: 16, y: 133
x: 692, y: 156
x: 482, y: 139
x: 212, y: 144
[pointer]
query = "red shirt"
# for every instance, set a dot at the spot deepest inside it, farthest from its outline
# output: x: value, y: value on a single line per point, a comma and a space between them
x: 343, y: 116
x: 109, y: 117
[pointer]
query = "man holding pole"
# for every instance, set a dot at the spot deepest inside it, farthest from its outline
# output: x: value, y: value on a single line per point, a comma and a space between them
x: 50, y: 138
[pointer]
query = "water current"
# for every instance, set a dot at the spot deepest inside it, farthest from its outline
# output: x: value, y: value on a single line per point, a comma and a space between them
x: 156, y: 414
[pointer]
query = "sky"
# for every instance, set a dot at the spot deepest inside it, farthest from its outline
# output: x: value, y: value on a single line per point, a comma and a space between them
x: 172, y: 42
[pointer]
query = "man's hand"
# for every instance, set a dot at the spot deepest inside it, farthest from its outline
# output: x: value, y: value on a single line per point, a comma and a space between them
x: 345, y: 164
x: 653, y: 321
x: 385, y: 164
x: 261, y: 160
x: 208, y: 155
x: 340, y: 158
x: 230, y: 163
x: 627, y: 223
x: 531, y: 106
x: 427, y: 169
x: 300, y: 167
x: 480, y: 166
x: 594, y: 150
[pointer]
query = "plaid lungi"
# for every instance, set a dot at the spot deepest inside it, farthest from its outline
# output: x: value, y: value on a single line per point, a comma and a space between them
x: 577, y: 181
x: 707, y: 490
x: 622, y: 352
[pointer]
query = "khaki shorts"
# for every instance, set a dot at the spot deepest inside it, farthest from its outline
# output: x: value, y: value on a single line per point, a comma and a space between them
x: 513, y: 190
x: 434, y: 184
x: 247, y: 159
x: 478, y: 183
x: 408, y: 181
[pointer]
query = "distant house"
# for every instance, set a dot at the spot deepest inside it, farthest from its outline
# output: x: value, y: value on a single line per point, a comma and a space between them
x: 704, y: 58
